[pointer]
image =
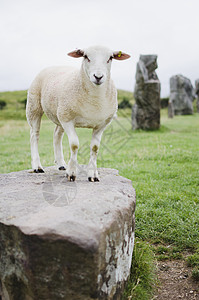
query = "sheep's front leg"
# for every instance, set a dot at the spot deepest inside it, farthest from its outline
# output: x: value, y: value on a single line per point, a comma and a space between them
x: 94, y: 148
x: 74, y: 145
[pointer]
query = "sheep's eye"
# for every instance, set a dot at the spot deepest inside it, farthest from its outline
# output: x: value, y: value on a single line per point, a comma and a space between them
x: 86, y: 57
x: 111, y: 57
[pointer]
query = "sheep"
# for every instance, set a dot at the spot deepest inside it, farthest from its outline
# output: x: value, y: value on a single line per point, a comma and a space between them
x: 85, y: 98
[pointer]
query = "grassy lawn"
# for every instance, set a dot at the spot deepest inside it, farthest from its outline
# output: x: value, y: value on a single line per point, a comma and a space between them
x: 163, y: 166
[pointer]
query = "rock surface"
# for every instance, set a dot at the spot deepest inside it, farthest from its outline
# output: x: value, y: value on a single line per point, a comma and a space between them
x: 170, y: 110
x: 197, y: 93
x: 146, y: 111
x: 65, y: 240
x: 181, y: 95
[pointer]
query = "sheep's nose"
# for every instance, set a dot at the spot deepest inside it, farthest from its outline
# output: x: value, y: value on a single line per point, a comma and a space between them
x: 98, y: 78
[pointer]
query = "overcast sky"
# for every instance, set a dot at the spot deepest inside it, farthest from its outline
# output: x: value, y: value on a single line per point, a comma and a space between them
x: 35, y: 34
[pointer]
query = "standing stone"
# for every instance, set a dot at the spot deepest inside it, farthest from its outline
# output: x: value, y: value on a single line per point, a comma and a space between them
x: 63, y: 240
x: 170, y: 110
x: 197, y: 93
x: 181, y: 95
x: 146, y: 111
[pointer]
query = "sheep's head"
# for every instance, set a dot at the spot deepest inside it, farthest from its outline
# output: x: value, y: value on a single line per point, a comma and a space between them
x: 97, y: 62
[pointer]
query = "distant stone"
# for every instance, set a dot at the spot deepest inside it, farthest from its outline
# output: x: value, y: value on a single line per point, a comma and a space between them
x: 181, y: 95
x: 65, y: 240
x: 146, y: 111
x: 170, y: 110
x: 197, y: 93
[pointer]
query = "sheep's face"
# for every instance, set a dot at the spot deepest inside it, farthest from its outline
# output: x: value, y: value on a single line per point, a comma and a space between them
x: 97, y: 62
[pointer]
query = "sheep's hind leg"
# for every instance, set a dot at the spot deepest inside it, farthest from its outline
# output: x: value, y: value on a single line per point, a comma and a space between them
x: 94, y: 148
x: 74, y: 145
x: 34, y: 138
x: 57, y: 142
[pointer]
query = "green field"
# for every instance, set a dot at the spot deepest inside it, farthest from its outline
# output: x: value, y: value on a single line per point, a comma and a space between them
x: 163, y: 166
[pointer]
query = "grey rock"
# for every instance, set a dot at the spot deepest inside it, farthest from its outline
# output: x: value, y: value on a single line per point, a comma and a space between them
x: 65, y: 240
x: 170, y: 110
x: 146, y: 111
x: 197, y: 93
x: 181, y: 95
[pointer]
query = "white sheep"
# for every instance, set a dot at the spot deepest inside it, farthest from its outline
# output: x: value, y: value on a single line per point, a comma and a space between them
x: 74, y: 98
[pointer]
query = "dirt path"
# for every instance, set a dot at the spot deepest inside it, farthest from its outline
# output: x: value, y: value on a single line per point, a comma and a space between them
x: 175, y: 282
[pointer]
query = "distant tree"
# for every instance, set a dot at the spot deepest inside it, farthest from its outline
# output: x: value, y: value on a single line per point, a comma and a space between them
x: 164, y: 102
x: 125, y: 103
x: 24, y: 102
x: 2, y: 104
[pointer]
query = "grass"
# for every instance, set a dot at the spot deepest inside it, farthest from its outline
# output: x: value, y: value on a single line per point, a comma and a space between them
x: 143, y: 277
x: 125, y: 95
x: 163, y: 166
x: 193, y: 261
x: 14, y: 109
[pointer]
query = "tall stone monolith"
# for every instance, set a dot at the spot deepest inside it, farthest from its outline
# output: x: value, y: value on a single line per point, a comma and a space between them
x: 197, y: 93
x: 146, y: 111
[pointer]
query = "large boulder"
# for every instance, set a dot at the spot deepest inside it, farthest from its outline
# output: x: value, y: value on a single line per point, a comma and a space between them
x: 146, y: 111
x: 181, y: 95
x: 65, y: 240
x: 197, y: 93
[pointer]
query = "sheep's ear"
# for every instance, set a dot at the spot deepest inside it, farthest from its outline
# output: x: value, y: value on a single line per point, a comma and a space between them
x: 76, y: 53
x: 120, y: 55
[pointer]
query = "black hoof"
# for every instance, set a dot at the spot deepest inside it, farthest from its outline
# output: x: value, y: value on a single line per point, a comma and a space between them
x: 93, y: 179
x: 38, y: 170
x: 62, y: 168
x: 71, y: 178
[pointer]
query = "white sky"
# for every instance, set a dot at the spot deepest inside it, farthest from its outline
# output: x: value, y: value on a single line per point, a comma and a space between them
x: 35, y: 34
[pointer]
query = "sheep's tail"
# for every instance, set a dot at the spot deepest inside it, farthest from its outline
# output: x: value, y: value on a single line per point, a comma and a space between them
x: 33, y: 106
